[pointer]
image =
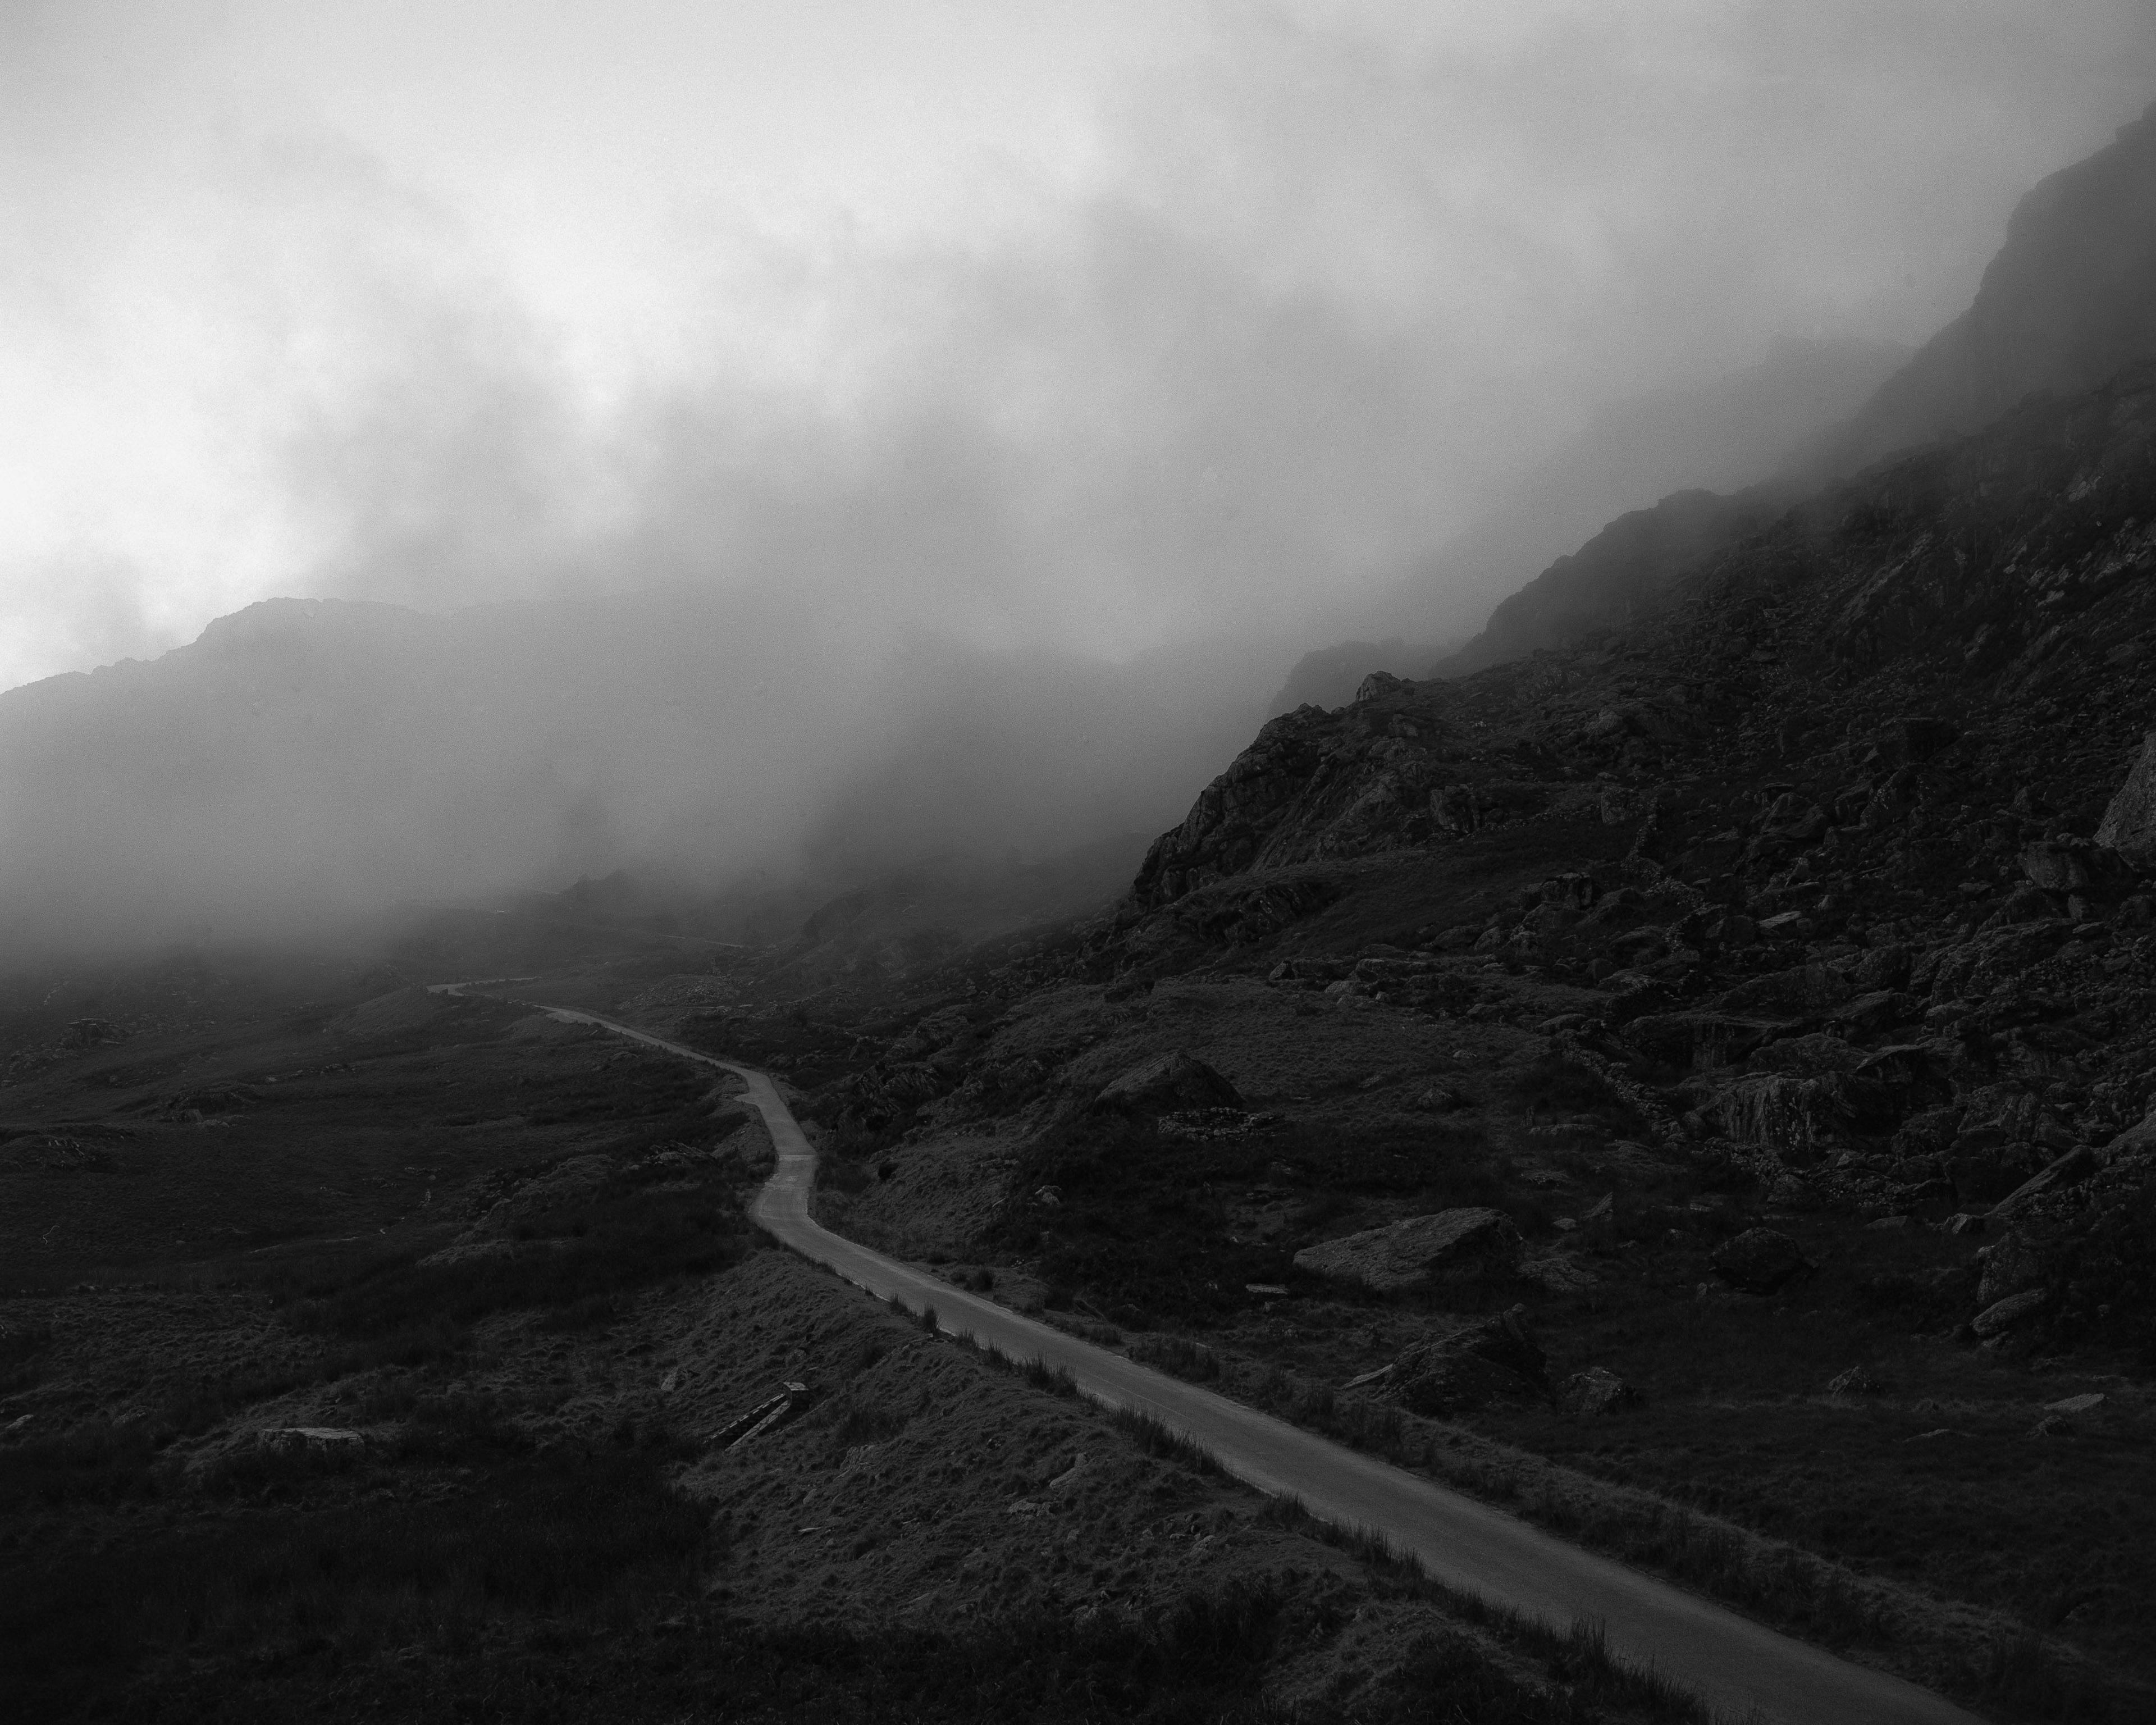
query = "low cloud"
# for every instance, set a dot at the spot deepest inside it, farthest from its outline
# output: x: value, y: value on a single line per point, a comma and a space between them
x: 1193, y: 382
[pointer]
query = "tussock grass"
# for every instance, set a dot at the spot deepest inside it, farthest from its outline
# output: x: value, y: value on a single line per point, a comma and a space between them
x: 1056, y: 1381
x: 1594, y: 1679
x: 1036, y: 1371
x: 2020, y: 1669
x: 1153, y: 1437
x: 1777, y: 1582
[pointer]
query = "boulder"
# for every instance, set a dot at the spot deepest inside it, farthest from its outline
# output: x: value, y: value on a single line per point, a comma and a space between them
x: 1598, y: 1390
x: 1760, y: 1260
x: 2076, y: 1164
x: 1558, y: 1274
x: 2013, y: 1267
x: 2137, y: 1139
x: 1867, y: 1015
x: 2054, y: 867
x: 1855, y: 1381
x: 1169, y: 1081
x: 1497, y: 1358
x: 1803, y: 989
x: 1882, y: 968
x: 1409, y: 1253
x: 1995, y: 1320
x: 2129, y: 822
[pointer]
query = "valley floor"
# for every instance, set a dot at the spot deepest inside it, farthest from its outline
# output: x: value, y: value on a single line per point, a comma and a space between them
x: 376, y: 1354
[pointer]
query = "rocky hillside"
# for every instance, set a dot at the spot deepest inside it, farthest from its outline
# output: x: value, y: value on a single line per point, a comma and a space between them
x: 1979, y: 579
x: 1623, y: 572
x: 1722, y: 435
x: 1871, y: 931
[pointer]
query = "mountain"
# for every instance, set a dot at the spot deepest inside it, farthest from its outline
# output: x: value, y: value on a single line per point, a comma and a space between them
x: 1974, y: 582
x: 1623, y: 572
x: 2069, y: 299
x: 308, y: 760
x: 1035, y: 752
x: 1329, y: 677
x: 1729, y: 432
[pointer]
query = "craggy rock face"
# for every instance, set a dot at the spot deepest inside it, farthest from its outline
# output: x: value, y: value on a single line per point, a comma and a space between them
x: 2064, y: 304
x: 2129, y: 826
x: 2010, y: 562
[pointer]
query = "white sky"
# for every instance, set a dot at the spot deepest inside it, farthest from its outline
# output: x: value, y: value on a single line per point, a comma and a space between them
x: 1102, y: 323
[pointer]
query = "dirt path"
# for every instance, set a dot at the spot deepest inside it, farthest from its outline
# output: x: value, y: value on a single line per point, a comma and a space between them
x: 1743, y: 1669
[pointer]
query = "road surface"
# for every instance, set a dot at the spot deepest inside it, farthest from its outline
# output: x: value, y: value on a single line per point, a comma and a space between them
x: 1744, y: 1669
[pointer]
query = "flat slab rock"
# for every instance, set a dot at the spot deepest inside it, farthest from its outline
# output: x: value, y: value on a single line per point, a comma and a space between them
x: 1409, y: 1253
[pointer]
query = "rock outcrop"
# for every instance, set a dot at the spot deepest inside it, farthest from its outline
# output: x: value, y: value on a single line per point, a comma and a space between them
x: 1761, y: 1260
x: 1497, y: 1359
x: 1415, y: 1251
x: 2129, y: 819
x: 1596, y: 1393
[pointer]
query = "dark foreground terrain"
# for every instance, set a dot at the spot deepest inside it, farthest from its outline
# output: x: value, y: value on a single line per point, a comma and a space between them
x: 379, y: 1354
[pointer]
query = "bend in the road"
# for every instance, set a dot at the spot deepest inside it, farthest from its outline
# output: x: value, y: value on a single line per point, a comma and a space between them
x: 1743, y: 1668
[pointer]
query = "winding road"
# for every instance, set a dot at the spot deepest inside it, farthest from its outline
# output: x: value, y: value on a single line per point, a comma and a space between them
x: 1744, y: 1670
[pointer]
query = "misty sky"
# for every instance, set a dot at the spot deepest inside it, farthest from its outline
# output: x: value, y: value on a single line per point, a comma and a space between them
x: 1097, y: 323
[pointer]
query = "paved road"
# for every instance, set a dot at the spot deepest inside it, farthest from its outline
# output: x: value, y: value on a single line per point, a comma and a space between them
x: 1745, y: 1670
